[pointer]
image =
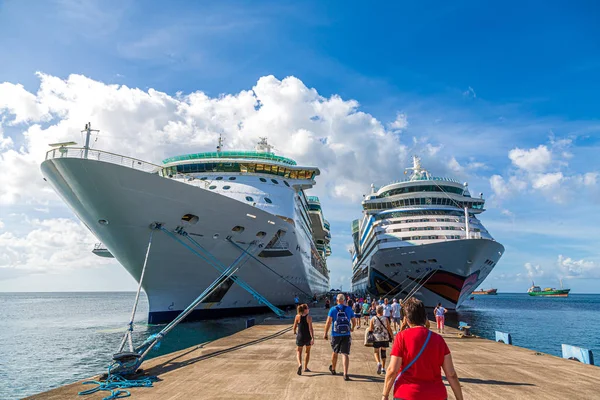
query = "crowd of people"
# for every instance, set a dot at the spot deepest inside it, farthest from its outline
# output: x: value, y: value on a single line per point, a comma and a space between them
x: 417, y: 354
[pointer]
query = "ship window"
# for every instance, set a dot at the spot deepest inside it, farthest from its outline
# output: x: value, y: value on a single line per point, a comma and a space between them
x: 268, y: 200
x: 238, y: 229
x: 248, y: 198
x: 286, y: 184
x: 432, y: 260
x: 423, y: 261
x: 261, y: 234
x: 219, y: 178
x: 232, y: 178
x: 226, y: 187
x: 414, y: 262
x: 275, y: 181
x: 262, y: 179
x: 260, y: 167
x: 212, y: 187
x: 387, y: 265
x: 203, y: 178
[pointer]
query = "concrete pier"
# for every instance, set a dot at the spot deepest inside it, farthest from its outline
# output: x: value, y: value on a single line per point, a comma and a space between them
x: 260, y: 363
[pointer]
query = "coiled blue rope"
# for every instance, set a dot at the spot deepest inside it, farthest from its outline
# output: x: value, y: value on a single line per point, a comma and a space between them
x: 114, y: 382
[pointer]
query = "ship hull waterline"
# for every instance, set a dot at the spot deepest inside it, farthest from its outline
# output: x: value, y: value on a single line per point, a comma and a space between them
x: 130, y: 200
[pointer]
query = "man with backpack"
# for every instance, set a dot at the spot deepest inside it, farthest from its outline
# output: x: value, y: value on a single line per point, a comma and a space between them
x: 342, y: 321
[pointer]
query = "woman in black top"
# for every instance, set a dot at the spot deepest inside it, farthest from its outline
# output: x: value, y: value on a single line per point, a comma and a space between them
x: 303, y: 329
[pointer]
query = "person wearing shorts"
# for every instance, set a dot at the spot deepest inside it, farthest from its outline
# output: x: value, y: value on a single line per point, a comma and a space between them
x: 380, y: 326
x: 340, y: 342
x: 396, y: 315
x: 303, y: 329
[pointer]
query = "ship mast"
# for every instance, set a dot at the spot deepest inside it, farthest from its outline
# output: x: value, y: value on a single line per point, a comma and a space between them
x: 88, y: 132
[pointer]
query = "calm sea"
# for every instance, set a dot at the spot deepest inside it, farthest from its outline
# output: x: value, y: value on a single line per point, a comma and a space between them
x: 50, y: 339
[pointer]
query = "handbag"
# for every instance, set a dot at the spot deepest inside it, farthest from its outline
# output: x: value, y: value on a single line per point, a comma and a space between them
x: 390, y: 336
x: 369, y: 338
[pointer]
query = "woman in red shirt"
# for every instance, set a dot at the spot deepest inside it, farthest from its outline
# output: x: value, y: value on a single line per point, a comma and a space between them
x: 418, y: 356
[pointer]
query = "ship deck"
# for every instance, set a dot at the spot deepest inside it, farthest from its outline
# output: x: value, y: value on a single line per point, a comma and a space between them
x: 259, y: 362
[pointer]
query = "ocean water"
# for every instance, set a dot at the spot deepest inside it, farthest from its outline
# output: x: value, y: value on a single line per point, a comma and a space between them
x: 51, y: 339
x: 538, y: 323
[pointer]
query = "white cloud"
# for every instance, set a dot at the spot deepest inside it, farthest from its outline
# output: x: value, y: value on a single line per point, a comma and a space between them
x: 584, y: 269
x: 470, y: 92
x: 547, y: 181
x: 503, y: 188
x: 1, y: 224
x: 400, y: 123
x: 50, y: 245
x: 534, y: 271
x: 531, y: 160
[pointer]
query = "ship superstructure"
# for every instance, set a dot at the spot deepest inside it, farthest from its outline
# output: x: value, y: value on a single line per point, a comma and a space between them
x: 224, y: 200
x: 421, y: 236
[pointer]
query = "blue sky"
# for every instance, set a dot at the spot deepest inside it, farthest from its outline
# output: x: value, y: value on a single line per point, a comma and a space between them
x: 503, y: 96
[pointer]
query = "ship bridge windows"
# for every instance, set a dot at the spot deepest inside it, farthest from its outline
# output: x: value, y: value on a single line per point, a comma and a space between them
x: 421, y: 188
x: 246, y: 167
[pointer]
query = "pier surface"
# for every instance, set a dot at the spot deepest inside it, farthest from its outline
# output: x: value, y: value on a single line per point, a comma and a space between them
x: 260, y: 362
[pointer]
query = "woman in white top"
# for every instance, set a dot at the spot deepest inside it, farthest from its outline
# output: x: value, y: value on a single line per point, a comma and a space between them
x: 439, y: 312
x: 380, y: 326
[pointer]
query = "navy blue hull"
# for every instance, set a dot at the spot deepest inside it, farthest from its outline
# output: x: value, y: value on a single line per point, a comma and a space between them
x: 164, y: 317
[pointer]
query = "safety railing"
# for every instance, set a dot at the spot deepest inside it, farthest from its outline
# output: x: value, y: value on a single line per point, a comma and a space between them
x: 105, y: 156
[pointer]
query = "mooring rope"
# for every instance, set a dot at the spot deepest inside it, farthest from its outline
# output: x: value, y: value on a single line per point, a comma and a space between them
x: 114, y: 382
x: 127, y: 338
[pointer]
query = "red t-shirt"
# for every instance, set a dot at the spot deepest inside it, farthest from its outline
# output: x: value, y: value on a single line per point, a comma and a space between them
x: 423, y: 380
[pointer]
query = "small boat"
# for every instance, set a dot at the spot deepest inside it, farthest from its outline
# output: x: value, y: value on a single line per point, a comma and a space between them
x: 548, y: 292
x: 486, y: 291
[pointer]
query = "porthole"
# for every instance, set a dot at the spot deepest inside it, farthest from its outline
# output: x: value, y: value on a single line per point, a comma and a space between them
x: 226, y: 187
x: 261, y: 234
x: 268, y: 200
x: 262, y: 179
x: 203, y: 178
x: 286, y: 184
x: 103, y: 222
x: 238, y: 229
x: 216, y: 236
x: 275, y: 181
x: 232, y: 178
x: 248, y: 198
x: 219, y: 178
x: 212, y: 187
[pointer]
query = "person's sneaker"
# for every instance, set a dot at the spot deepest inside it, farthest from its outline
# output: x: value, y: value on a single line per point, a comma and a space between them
x: 331, y: 370
x: 299, y: 372
x: 383, y: 371
x: 378, y: 368
x: 346, y: 378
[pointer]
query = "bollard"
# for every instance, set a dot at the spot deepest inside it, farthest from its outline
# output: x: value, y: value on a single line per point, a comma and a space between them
x: 578, y: 354
x: 250, y: 322
x: 503, y: 337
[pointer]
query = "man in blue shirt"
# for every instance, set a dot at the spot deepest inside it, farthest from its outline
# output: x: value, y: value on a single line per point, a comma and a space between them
x: 342, y: 322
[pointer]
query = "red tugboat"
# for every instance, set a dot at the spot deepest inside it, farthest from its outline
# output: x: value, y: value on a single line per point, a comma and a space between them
x: 486, y: 292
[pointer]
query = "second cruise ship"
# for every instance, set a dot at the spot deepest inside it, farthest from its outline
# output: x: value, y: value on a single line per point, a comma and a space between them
x: 422, y: 237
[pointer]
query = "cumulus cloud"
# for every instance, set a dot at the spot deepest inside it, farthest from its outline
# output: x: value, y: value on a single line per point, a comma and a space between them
x: 50, y: 245
x: 544, y: 170
x: 564, y: 268
x: 352, y: 148
x: 531, y: 160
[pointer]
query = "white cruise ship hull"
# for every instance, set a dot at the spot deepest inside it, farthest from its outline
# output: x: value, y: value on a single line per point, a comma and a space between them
x: 442, y: 272
x: 130, y: 200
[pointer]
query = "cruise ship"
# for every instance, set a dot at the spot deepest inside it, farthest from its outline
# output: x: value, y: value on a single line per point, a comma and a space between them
x: 421, y: 237
x: 228, y: 202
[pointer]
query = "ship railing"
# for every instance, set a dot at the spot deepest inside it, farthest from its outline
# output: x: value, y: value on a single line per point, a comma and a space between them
x: 100, y: 246
x: 100, y: 155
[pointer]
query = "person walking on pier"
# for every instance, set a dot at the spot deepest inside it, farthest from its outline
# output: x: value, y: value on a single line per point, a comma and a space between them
x: 418, y: 356
x: 380, y: 326
x: 303, y: 329
x: 365, y: 311
x: 440, y: 318
x: 396, y: 314
x: 341, y: 320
